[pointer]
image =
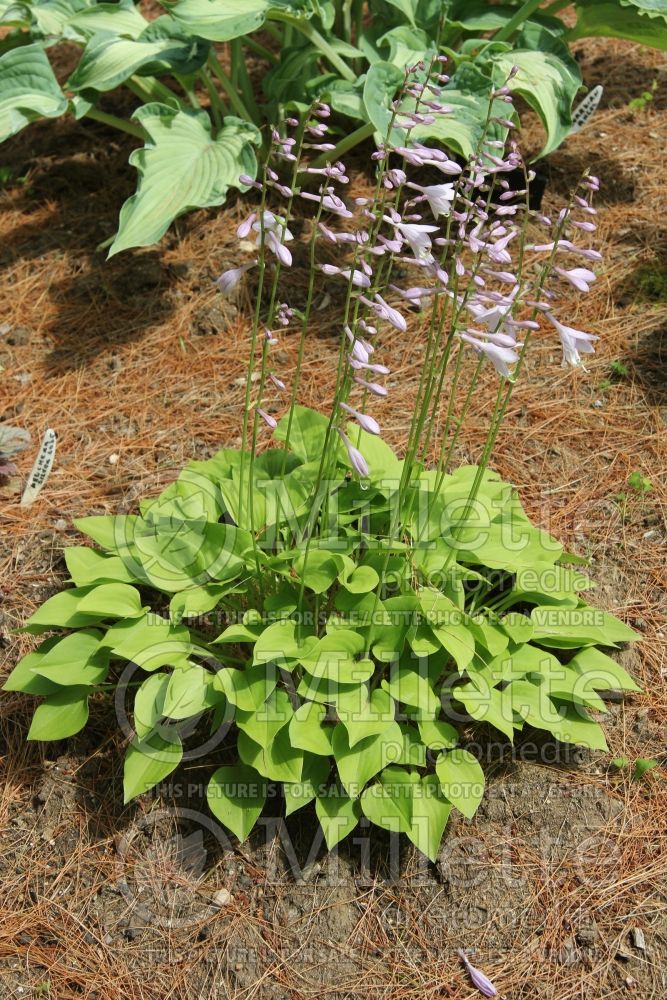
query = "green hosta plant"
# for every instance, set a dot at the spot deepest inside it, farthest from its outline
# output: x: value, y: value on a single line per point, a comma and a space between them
x: 315, y: 612
x: 200, y: 109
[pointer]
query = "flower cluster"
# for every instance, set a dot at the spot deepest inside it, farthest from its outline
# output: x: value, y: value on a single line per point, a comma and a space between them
x: 464, y: 248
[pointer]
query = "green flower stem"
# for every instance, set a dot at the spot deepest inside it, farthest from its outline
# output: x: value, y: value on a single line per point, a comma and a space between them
x: 312, y: 34
x: 238, y: 60
x: 234, y: 99
x: 524, y: 12
x: 217, y: 109
x: 260, y: 49
x: 150, y: 89
x: 345, y: 144
x: 119, y: 123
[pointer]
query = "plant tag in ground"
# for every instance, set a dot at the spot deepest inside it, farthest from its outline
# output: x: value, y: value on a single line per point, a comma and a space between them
x: 41, y: 468
x: 585, y: 110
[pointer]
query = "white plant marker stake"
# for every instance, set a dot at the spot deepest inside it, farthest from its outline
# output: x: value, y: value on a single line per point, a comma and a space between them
x: 41, y: 468
x: 585, y: 110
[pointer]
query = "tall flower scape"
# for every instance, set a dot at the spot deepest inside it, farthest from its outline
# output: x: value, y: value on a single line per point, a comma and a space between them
x: 322, y: 615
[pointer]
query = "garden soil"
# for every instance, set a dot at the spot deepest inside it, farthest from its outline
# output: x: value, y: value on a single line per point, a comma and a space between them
x: 557, y: 889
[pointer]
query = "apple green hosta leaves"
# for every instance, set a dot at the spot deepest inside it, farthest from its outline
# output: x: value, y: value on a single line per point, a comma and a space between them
x: 343, y: 694
x: 236, y: 796
x: 182, y: 166
x: 461, y: 780
x: 28, y: 89
x: 163, y: 46
x: 148, y: 762
x: 60, y: 715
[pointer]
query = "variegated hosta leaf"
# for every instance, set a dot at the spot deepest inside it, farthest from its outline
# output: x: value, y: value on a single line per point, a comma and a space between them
x: 28, y: 90
x: 221, y: 20
x: 182, y: 166
x: 162, y: 46
x: 642, y: 21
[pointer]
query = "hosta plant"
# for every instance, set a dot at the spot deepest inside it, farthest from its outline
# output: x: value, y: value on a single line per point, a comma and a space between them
x: 195, y: 70
x: 315, y: 612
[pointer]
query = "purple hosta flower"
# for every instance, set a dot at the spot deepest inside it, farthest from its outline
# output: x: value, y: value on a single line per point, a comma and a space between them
x: 357, y: 278
x: 501, y: 357
x: 330, y: 201
x: 278, y: 382
x: 572, y: 342
x: 414, y: 294
x: 384, y: 311
x: 283, y: 146
x: 359, y: 350
x: 478, y: 979
x: 365, y: 422
x: 377, y: 390
x: 580, y: 277
x: 284, y: 314
x: 367, y: 366
x: 229, y: 280
x: 417, y: 238
x: 496, y: 316
x: 336, y: 172
x: 247, y: 181
x: 267, y: 418
x: 322, y: 110
x: 276, y: 234
x: 317, y: 131
x: 358, y: 461
x: 498, y: 251
x: 439, y: 197
x: 568, y: 245
x: 394, y: 178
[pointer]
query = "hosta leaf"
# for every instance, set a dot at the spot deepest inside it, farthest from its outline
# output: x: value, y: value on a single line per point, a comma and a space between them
x: 162, y: 47
x: 75, y: 660
x: 279, y: 761
x: 375, y: 717
x: 430, y: 812
x: 236, y: 796
x: 87, y: 566
x: 264, y: 724
x: 150, y: 641
x: 123, y: 19
x: 358, y: 764
x: 412, y: 688
x: 637, y: 20
x: 461, y: 780
x: 338, y: 815
x: 220, y: 21
x: 247, y: 689
x: 28, y: 89
x: 488, y: 704
x: 149, y: 761
x: 548, y: 79
x: 189, y: 693
x: 576, y: 726
x: 332, y: 658
x: 149, y: 704
x: 601, y: 672
x: 438, y: 735
x: 382, y: 81
x: 62, y: 611
x: 60, y: 715
x: 23, y: 676
x: 112, y: 600
x: 408, y: 8
x: 314, y: 775
x: 182, y: 166
x: 307, y: 433
x: 388, y: 801
x: 307, y: 730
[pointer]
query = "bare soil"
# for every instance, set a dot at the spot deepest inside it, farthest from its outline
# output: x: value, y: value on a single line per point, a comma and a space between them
x: 558, y: 886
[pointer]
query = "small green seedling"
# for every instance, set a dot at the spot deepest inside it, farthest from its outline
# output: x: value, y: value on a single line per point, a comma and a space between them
x: 641, y: 102
x: 639, y: 483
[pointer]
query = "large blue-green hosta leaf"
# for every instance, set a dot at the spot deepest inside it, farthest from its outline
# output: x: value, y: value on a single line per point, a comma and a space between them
x: 28, y: 90
x: 548, y: 79
x: 182, y: 166
x: 643, y: 21
x: 163, y: 46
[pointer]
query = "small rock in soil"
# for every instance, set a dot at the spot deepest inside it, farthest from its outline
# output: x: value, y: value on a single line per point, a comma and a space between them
x: 20, y: 336
x: 638, y: 939
x: 223, y: 897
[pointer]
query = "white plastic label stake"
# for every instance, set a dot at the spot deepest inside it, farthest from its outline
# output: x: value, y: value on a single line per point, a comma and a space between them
x: 41, y: 468
x: 585, y: 110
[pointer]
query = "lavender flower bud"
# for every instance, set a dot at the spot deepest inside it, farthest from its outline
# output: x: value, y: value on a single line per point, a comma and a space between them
x: 477, y: 977
x: 267, y: 418
x: 358, y: 461
x: 365, y: 422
